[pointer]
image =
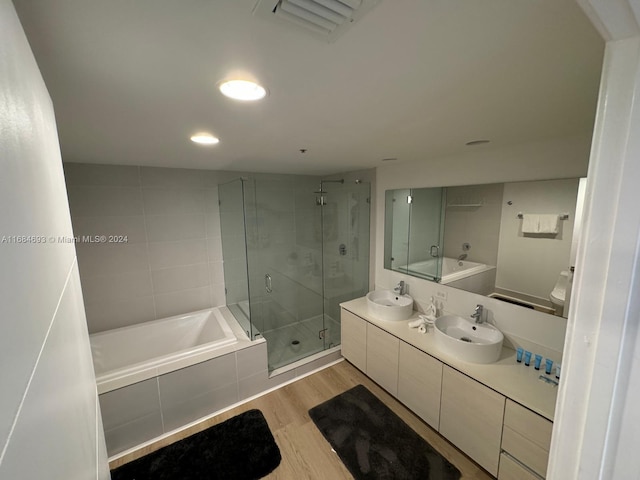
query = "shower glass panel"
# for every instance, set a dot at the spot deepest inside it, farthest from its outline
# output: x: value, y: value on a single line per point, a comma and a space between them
x: 293, y: 250
x: 426, y: 232
x: 414, y: 230
x: 345, y: 228
x: 233, y: 230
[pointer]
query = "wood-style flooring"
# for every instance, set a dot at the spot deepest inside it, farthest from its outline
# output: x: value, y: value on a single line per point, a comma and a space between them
x: 305, y: 452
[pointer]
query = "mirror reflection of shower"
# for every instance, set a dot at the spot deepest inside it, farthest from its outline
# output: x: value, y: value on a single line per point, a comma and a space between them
x: 289, y: 264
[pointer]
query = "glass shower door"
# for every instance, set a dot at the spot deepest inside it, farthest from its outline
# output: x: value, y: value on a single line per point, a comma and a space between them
x: 414, y: 231
x: 293, y: 252
x: 345, y: 250
x: 285, y: 268
x: 426, y: 233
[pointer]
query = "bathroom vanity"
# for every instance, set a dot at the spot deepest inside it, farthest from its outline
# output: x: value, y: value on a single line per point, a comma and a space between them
x: 499, y: 414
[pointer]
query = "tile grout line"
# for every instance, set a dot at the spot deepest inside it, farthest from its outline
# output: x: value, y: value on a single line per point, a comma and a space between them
x: 146, y: 242
x: 160, y: 401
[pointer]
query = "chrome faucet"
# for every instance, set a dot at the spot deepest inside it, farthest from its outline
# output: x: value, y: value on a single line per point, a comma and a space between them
x: 462, y: 257
x: 401, y: 288
x: 478, y: 314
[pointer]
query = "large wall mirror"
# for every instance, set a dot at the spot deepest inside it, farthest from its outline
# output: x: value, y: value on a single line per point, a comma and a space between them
x: 511, y: 241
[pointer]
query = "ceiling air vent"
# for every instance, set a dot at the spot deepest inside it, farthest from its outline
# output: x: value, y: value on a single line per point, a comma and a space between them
x: 325, y: 19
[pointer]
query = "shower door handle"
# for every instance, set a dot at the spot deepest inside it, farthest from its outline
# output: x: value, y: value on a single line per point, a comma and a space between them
x: 434, y: 251
x: 267, y: 283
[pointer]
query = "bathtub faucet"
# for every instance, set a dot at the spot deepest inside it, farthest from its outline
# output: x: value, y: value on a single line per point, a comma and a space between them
x: 462, y: 257
x: 478, y: 314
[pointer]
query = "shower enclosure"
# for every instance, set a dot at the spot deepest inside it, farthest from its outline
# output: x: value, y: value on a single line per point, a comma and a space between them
x: 294, y: 247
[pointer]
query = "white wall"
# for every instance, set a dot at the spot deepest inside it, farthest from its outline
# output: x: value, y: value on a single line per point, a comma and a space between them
x: 477, y: 226
x: 597, y: 416
x: 529, y: 264
x: 558, y: 158
x: 50, y: 425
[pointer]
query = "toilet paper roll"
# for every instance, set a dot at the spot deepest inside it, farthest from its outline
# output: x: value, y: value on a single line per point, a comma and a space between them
x: 422, y: 328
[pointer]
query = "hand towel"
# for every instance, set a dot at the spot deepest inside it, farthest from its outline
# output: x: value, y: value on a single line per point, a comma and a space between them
x: 541, y: 223
x: 530, y: 223
x: 549, y: 223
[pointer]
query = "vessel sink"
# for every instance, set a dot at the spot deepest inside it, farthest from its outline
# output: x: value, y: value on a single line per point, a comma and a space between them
x: 468, y: 341
x: 388, y: 305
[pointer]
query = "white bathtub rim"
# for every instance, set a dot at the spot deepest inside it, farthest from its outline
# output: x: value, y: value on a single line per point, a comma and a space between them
x: 469, y: 272
x: 474, y: 269
x: 153, y: 366
x: 160, y: 321
x: 187, y: 361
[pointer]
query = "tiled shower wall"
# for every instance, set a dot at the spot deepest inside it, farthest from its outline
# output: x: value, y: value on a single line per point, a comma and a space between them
x: 171, y: 260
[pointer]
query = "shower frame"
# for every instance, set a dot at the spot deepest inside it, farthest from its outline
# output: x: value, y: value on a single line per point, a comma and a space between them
x: 290, y: 295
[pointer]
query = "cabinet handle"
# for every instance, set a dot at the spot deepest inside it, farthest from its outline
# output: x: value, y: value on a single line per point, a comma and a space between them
x: 267, y: 283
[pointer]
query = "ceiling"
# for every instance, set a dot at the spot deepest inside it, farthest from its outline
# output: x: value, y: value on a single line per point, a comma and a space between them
x: 131, y: 81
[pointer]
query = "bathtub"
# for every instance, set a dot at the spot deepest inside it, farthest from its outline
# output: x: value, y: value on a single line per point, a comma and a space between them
x: 452, y: 269
x: 128, y: 355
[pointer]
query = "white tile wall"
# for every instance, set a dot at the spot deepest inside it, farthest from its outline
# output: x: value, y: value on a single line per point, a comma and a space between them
x: 133, y: 227
x: 105, y: 175
x: 101, y: 201
x: 140, y: 412
x: 180, y: 278
x: 175, y: 303
x: 141, y: 400
x: 108, y: 314
x: 166, y: 228
x: 172, y: 260
x: 111, y: 259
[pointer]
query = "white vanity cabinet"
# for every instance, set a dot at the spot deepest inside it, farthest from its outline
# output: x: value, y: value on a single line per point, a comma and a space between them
x: 353, y: 331
x: 507, y: 439
x: 526, y: 439
x: 382, y: 358
x: 420, y: 383
x: 471, y: 418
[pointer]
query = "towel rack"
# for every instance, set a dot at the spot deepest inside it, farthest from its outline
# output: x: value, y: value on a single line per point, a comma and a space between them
x: 563, y: 216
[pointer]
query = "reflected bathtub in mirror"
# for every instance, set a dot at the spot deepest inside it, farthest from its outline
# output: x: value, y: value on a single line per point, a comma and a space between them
x: 471, y: 238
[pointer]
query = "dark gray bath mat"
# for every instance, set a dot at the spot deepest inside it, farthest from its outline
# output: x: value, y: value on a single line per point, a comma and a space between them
x: 374, y: 443
x: 241, y: 448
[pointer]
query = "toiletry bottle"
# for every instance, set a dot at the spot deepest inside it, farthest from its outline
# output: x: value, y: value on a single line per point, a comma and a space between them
x: 538, y: 361
x: 519, y: 353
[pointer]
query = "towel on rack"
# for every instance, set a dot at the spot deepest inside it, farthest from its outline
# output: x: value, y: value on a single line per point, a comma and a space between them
x: 529, y: 223
x: 549, y: 223
x: 541, y: 223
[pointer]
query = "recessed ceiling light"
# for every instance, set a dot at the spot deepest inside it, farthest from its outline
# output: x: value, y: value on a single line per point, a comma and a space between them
x: 242, y: 90
x: 204, y: 139
x: 477, y: 142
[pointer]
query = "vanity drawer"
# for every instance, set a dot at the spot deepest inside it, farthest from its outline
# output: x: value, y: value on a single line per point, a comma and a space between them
x: 531, y: 425
x: 512, y: 470
x: 526, y: 436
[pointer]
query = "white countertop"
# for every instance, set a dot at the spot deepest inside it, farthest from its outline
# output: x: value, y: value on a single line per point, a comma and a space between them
x: 507, y: 377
